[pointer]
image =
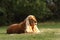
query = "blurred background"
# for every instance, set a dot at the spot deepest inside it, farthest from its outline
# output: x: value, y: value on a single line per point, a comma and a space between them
x: 15, y: 11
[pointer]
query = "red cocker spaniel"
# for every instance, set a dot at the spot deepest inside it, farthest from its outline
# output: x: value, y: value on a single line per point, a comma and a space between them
x: 29, y: 25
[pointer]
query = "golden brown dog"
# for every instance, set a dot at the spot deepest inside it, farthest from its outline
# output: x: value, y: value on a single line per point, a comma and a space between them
x: 29, y: 25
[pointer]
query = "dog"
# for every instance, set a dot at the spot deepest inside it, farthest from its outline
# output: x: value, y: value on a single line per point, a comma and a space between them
x: 29, y: 25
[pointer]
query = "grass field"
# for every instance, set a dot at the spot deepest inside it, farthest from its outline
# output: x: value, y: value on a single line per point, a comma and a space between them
x: 49, y: 31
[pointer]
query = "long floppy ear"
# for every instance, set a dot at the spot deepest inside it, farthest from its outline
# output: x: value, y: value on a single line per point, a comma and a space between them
x: 36, y: 30
x: 28, y: 28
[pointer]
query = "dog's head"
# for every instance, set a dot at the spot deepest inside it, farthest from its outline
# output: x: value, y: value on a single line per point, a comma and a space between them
x: 32, y: 20
x: 31, y: 24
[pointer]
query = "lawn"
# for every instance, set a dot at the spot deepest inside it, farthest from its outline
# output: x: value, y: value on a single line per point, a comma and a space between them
x: 48, y: 31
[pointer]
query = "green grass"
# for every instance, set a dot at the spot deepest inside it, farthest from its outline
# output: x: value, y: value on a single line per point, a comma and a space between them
x: 49, y: 31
